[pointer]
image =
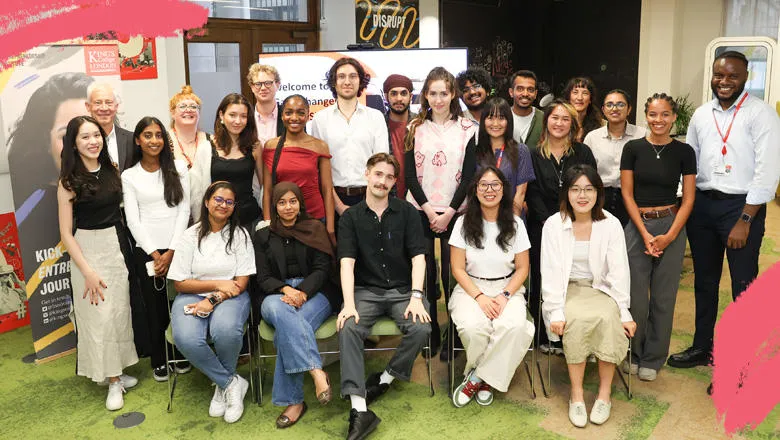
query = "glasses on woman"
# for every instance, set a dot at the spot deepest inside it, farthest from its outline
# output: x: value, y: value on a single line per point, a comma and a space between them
x: 223, y: 201
x: 183, y: 107
x: 495, y: 186
x: 615, y: 105
x: 576, y: 190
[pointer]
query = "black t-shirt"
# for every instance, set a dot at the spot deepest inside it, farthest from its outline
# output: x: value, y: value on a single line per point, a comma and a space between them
x: 101, y: 210
x: 382, y: 250
x: 657, y: 170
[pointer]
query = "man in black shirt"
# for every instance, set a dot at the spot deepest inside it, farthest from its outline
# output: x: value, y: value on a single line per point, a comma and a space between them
x: 382, y: 255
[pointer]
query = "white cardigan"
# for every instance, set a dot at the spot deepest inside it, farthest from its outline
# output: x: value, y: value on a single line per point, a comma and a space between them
x: 608, y: 261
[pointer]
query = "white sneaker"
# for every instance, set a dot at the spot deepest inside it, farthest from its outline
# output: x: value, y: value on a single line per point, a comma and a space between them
x: 128, y: 381
x: 600, y: 412
x: 629, y: 369
x: 115, y: 399
x: 578, y: 414
x: 647, y: 374
x: 217, y: 406
x: 234, y: 398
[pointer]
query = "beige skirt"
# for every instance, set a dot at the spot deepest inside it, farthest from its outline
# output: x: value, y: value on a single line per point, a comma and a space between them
x: 593, y: 325
x: 104, y: 331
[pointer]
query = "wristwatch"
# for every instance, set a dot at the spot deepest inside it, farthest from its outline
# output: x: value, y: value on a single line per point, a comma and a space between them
x: 416, y: 293
x: 214, y: 299
x: 745, y: 217
x: 506, y: 294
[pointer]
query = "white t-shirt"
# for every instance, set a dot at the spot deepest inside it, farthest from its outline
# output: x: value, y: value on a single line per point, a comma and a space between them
x: 491, y: 261
x: 211, y: 262
x: 521, y: 126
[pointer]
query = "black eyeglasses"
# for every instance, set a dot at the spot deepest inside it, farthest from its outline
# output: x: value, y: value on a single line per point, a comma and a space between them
x: 612, y: 105
x: 495, y: 186
x: 471, y: 88
x: 221, y: 200
x: 260, y: 84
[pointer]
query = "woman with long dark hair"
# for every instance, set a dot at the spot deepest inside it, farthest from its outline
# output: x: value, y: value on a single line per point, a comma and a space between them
x: 585, y: 286
x: 156, y: 201
x: 497, y: 147
x: 440, y: 164
x: 234, y: 156
x: 89, y: 195
x: 300, y: 158
x: 580, y: 92
x: 557, y: 152
x: 211, y: 270
x: 295, y: 269
x: 489, y: 254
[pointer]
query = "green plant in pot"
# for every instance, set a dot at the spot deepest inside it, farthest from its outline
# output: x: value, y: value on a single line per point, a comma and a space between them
x: 685, y: 110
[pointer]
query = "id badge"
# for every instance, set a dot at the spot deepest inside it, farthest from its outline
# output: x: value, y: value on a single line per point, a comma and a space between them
x: 721, y: 168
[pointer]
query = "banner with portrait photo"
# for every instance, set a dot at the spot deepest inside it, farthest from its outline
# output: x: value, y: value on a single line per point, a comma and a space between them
x: 388, y: 24
x: 37, y: 100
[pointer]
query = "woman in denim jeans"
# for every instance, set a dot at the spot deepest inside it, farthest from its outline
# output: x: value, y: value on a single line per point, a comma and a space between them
x: 295, y: 265
x: 211, y: 269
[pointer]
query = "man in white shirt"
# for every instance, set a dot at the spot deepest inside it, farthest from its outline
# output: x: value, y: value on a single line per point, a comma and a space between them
x: 735, y: 139
x: 264, y: 81
x: 607, y: 144
x: 102, y: 104
x: 352, y: 131
x: 527, y: 118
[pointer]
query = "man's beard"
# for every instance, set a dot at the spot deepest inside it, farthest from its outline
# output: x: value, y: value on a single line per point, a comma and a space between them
x: 476, y: 107
x: 399, y: 112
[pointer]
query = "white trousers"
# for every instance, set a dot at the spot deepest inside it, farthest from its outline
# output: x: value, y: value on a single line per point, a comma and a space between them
x: 495, y: 347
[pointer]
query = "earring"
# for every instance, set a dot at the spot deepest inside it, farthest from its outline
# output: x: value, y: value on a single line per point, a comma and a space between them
x: 222, y: 121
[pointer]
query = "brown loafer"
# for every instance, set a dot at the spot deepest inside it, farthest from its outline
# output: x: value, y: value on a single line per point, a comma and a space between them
x: 325, y: 396
x: 284, y: 422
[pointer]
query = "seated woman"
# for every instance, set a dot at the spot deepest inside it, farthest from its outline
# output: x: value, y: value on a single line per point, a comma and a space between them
x: 585, y: 287
x: 211, y: 269
x: 294, y: 265
x: 489, y: 257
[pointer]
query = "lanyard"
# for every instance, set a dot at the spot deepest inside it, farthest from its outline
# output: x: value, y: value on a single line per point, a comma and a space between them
x: 500, y: 156
x: 725, y: 138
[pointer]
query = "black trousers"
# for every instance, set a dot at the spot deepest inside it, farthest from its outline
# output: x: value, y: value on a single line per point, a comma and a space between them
x: 613, y: 202
x: 157, y: 317
x: 535, y: 256
x: 708, y: 229
x: 432, y: 271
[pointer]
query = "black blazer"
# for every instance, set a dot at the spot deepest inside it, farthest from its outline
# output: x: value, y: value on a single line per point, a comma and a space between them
x: 125, y: 146
x: 272, y: 268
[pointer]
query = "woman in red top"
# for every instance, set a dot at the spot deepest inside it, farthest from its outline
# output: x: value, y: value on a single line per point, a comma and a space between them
x: 303, y: 160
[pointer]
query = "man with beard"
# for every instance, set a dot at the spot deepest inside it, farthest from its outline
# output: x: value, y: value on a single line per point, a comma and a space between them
x: 527, y: 118
x: 735, y: 139
x: 102, y: 104
x: 475, y: 85
x: 398, y: 93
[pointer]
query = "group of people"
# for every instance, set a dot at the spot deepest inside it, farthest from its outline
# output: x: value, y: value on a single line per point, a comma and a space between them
x: 594, y: 212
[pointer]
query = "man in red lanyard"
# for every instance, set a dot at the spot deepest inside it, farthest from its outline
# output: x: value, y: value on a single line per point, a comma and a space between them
x: 735, y: 138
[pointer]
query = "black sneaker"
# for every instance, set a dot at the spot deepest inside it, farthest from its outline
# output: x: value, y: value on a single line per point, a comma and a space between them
x: 361, y: 423
x: 160, y: 374
x: 374, y: 389
x: 182, y: 367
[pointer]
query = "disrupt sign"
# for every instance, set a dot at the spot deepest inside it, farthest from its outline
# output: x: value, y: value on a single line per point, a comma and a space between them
x: 388, y: 24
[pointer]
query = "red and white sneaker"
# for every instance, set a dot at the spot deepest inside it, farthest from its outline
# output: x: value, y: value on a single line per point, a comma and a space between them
x: 484, y: 394
x: 464, y: 393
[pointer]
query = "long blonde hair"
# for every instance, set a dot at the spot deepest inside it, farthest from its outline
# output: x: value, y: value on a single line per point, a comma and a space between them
x: 544, y: 140
x: 436, y: 74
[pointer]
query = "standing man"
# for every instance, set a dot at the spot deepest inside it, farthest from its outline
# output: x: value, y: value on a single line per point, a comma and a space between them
x: 735, y: 139
x: 607, y: 144
x: 475, y: 85
x: 382, y: 255
x: 352, y: 131
x: 527, y: 118
x: 102, y: 104
x: 398, y: 93
x: 264, y: 81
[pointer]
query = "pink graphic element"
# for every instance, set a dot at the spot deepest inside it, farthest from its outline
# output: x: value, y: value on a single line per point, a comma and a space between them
x: 439, y: 159
x: 458, y: 177
x: 68, y: 19
x: 419, y: 158
x: 746, y: 353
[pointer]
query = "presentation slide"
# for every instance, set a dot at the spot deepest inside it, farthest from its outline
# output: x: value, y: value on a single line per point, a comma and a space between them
x: 303, y: 73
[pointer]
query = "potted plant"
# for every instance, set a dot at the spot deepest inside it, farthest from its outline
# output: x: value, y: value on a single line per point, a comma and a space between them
x: 685, y: 110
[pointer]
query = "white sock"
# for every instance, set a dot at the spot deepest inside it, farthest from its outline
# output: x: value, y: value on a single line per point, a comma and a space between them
x: 474, y: 378
x: 386, y: 378
x: 358, y: 403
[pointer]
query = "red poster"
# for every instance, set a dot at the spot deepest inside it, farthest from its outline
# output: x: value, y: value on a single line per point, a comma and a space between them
x: 138, y: 59
x: 13, y: 298
x: 101, y: 60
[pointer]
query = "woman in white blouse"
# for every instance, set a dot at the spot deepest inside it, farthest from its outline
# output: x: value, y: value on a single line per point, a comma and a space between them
x: 585, y: 288
x: 156, y: 199
x: 211, y: 268
x: 489, y: 257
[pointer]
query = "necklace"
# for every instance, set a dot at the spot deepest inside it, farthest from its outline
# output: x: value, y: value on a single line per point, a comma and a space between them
x: 559, y: 175
x: 181, y: 147
x: 96, y: 173
x: 658, y: 152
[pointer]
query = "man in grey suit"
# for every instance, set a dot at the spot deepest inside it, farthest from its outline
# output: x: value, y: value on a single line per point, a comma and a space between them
x: 102, y: 105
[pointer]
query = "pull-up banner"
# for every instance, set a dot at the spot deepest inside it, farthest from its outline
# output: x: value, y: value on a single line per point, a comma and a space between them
x: 389, y: 24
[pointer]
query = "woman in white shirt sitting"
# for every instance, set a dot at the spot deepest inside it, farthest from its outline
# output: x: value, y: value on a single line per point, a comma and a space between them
x: 489, y: 259
x: 585, y: 288
x: 212, y: 264
x: 156, y: 198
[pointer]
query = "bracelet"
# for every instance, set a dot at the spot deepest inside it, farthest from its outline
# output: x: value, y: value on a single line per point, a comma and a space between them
x: 480, y: 293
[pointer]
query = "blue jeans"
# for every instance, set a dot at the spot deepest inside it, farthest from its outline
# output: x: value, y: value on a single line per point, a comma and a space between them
x: 224, y: 327
x: 295, y: 343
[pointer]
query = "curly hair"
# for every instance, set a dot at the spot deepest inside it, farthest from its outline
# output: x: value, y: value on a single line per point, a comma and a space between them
x: 662, y: 97
x: 473, y: 223
x: 476, y: 75
x: 330, y: 77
